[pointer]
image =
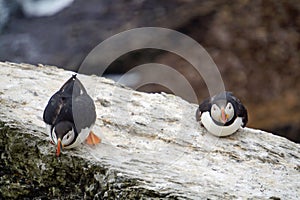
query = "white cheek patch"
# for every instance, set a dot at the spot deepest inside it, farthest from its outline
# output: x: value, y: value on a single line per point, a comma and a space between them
x: 53, y: 137
x: 68, y: 138
x: 217, y: 130
x: 81, y: 138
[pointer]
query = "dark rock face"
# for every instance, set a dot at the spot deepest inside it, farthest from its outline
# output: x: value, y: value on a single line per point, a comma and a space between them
x: 28, y: 172
x: 255, y: 45
x: 4, y: 14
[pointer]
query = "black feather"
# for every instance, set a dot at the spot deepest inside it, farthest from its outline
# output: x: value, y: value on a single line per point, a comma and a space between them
x: 71, y: 104
x: 223, y: 98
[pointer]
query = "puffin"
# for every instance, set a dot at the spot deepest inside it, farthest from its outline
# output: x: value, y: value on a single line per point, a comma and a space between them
x: 222, y: 114
x: 70, y: 115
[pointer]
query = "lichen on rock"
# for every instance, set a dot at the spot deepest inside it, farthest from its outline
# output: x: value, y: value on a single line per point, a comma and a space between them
x: 152, y: 148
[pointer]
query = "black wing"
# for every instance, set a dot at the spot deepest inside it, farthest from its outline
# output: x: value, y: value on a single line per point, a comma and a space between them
x: 65, y: 113
x: 71, y: 103
x: 59, y: 108
x: 203, y: 107
x: 73, y: 87
x: 57, y: 102
x: 52, y: 109
x: 84, y: 112
x: 241, y: 111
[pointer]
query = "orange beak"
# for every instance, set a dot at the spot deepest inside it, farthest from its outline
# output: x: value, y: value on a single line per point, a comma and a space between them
x: 223, y: 116
x: 59, y: 147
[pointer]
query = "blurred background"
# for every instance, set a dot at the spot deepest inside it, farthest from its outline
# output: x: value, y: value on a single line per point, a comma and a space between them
x: 255, y: 44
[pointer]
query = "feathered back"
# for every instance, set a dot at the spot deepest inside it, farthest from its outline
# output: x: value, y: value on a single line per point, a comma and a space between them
x: 72, y: 87
x: 71, y: 103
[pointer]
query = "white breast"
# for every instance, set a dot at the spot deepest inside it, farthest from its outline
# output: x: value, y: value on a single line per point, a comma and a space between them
x: 217, y: 130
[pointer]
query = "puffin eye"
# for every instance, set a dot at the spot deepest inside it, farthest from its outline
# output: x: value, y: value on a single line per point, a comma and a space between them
x: 214, y: 108
x: 229, y: 106
x: 68, y: 138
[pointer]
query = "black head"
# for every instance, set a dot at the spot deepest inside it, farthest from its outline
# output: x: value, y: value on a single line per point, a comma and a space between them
x: 223, y: 108
x: 63, y: 135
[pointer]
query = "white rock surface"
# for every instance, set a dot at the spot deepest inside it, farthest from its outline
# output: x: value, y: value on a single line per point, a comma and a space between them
x: 156, y: 139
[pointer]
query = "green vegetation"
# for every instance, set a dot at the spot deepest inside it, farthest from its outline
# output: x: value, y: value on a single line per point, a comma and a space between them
x: 27, y: 172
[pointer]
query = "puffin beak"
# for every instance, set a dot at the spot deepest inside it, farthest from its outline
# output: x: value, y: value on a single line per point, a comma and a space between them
x: 59, y: 147
x: 223, y: 116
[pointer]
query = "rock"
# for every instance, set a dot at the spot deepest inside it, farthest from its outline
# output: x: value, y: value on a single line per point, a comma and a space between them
x: 254, y: 44
x: 152, y: 148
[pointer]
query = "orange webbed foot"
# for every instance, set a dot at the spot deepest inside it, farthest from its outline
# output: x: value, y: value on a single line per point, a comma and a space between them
x: 93, y: 139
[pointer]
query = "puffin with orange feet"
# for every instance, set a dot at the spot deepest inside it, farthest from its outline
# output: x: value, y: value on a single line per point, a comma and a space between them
x: 70, y: 115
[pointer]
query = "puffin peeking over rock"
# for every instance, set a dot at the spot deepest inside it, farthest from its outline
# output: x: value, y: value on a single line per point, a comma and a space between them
x: 70, y: 115
x: 222, y: 114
